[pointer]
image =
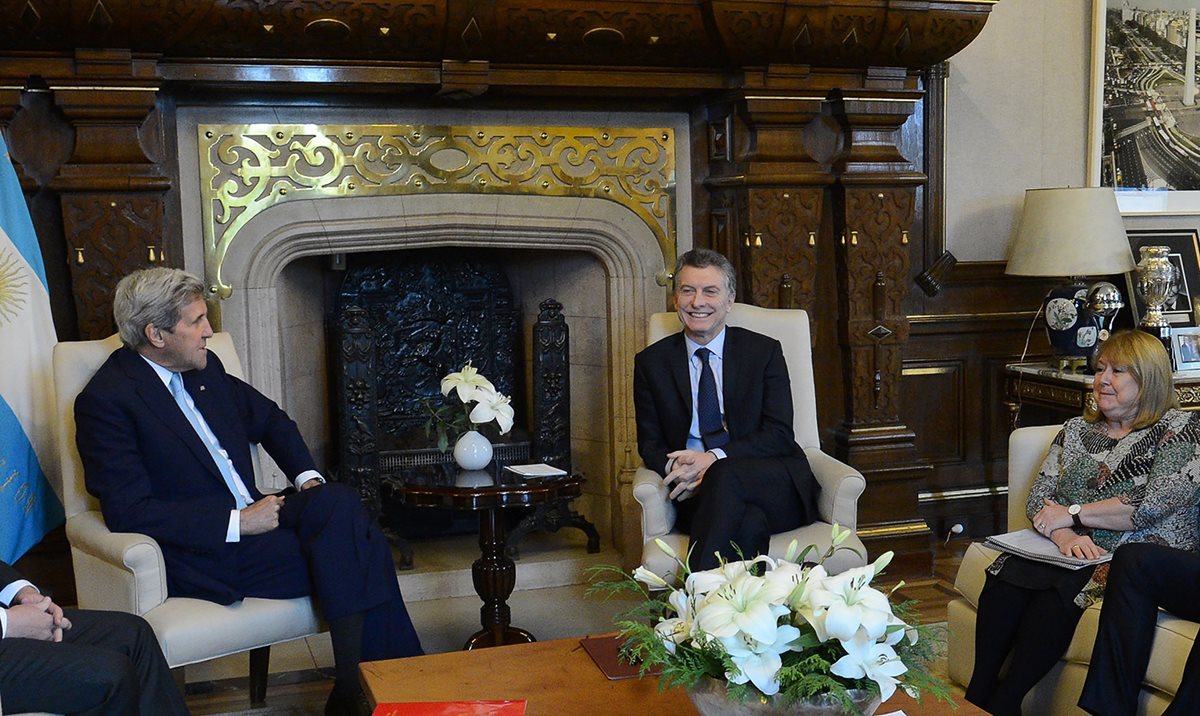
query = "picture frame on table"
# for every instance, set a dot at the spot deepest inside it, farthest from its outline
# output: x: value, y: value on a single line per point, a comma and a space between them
x: 1185, y: 349
x: 1184, y: 253
x: 1137, y: 141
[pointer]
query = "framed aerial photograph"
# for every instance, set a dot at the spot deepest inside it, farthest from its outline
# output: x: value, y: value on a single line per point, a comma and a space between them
x: 1144, y: 119
x: 1184, y: 245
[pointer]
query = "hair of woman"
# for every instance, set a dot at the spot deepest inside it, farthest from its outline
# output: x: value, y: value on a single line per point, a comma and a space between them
x: 1150, y: 365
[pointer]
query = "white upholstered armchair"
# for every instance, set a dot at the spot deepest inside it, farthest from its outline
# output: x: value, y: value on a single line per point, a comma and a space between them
x: 841, y: 485
x: 125, y: 571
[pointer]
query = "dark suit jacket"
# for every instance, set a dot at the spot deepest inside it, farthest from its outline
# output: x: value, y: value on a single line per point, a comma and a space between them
x: 8, y: 575
x: 153, y: 474
x: 756, y: 391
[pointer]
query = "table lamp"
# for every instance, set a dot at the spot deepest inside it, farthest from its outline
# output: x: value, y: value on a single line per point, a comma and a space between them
x: 1073, y: 232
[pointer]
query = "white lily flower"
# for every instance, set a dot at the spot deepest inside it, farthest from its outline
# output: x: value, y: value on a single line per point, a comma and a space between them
x: 649, y: 578
x: 851, y: 603
x: 743, y: 605
x: 492, y: 406
x: 866, y: 658
x: 759, y: 662
x: 806, y: 584
x: 701, y: 583
x: 466, y: 381
x: 672, y: 632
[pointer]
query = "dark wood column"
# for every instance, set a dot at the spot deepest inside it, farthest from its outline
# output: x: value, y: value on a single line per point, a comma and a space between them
x: 873, y: 210
x: 111, y: 190
x: 768, y: 195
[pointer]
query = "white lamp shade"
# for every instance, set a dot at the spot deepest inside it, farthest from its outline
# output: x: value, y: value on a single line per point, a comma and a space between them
x: 1073, y: 231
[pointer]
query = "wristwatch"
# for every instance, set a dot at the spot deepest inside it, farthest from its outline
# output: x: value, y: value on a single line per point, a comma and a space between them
x: 1073, y: 511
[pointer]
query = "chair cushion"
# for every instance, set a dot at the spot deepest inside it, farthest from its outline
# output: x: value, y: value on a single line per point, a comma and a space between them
x: 194, y: 630
x: 973, y: 572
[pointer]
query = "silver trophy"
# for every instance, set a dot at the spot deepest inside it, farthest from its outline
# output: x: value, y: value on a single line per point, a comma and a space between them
x: 1157, y: 282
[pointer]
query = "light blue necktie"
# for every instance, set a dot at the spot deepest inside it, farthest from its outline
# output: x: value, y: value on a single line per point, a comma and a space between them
x: 180, y: 396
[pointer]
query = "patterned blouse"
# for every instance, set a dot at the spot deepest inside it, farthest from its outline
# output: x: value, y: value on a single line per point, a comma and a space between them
x: 1155, y: 469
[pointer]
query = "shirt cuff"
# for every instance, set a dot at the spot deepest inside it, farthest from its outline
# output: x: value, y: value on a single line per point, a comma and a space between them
x: 719, y: 452
x: 3, y: 623
x: 9, y: 593
x: 306, y: 476
x: 233, y: 533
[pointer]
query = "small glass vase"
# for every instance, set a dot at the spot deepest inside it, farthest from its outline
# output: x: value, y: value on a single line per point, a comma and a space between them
x: 711, y: 699
x: 472, y: 451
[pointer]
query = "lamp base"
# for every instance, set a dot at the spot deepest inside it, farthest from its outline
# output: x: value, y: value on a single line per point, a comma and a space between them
x: 1073, y: 329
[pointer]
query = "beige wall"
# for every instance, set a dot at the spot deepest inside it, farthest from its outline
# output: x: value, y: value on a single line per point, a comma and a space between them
x: 1017, y: 118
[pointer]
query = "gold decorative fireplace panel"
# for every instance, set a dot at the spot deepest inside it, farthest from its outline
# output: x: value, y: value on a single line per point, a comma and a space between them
x: 248, y: 168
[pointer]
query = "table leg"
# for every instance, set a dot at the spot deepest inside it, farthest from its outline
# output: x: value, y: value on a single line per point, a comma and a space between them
x: 494, y: 575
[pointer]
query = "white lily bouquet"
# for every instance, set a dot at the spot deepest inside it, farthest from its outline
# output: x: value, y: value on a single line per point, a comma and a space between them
x: 478, y: 404
x: 776, y: 628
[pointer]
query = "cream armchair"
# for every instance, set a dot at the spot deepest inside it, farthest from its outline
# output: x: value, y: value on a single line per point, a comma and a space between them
x: 124, y: 571
x: 1058, y: 692
x: 841, y: 485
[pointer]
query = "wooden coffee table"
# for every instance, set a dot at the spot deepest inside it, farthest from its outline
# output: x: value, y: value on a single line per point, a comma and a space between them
x: 554, y: 678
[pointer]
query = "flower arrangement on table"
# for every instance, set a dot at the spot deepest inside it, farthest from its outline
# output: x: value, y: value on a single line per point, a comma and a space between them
x: 478, y: 404
x: 778, y: 630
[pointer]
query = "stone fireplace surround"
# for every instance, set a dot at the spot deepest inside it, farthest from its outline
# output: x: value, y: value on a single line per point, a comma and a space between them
x: 595, y: 256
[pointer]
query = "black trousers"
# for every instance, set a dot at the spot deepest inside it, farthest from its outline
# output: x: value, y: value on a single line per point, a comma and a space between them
x: 1035, y: 626
x: 328, y: 546
x: 740, y: 504
x: 1143, y: 577
x: 108, y: 663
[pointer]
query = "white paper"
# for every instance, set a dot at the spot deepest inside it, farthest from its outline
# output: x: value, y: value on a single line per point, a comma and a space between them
x: 539, y: 469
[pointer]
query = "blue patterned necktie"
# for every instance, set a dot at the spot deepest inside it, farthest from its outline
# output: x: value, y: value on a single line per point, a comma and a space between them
x: 222, y: 462
x: 708, y: 407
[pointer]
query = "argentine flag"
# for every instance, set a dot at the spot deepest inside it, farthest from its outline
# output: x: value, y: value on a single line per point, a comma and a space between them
x: 28, y: 506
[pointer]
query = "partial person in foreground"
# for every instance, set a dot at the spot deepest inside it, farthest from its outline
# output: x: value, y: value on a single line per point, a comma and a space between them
x: 165, y: 434
x: 77, y: 660
x: 1143, y: 578
x: 1123, y: 473
x: 714, y: 418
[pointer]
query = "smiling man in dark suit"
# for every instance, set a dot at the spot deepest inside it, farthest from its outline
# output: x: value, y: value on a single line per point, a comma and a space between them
x: 714, y: 417
x: 78, y: 661
x: 165, y: 433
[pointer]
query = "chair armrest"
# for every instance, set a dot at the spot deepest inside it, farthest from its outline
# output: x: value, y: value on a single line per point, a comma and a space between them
x: 841, y: 486
x: 120, y: 571
x: 658, y: 512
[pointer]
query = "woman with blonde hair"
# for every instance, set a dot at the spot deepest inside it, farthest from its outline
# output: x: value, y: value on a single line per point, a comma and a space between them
x: 1125, y: 472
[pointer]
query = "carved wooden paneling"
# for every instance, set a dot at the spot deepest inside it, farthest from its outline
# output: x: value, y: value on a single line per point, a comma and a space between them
x: 109, y: 236
x: 875, y: 269
x: 780, y: 239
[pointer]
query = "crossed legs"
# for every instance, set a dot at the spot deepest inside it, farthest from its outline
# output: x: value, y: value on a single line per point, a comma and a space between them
x: 742, y: 502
